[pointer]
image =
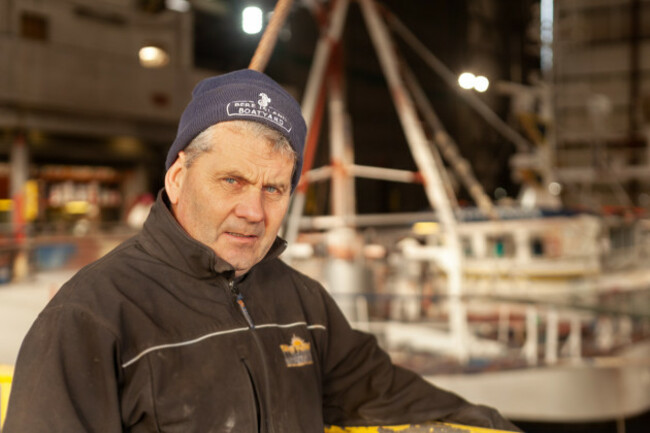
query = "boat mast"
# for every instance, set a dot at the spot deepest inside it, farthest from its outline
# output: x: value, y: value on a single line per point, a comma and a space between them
x: 430, y: 171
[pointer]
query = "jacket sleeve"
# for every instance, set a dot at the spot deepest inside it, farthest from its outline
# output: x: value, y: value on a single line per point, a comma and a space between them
x: 361, y: 386
x: 66, y: 376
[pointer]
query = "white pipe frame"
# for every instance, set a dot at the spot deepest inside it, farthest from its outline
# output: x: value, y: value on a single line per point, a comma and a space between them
x: 433, y: 183
x: 310, y: 100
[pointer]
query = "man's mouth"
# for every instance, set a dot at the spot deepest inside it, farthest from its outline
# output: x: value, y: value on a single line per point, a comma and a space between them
x: 241, y: 235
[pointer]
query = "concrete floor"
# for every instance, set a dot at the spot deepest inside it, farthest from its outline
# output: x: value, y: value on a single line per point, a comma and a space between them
x: 20, y: 303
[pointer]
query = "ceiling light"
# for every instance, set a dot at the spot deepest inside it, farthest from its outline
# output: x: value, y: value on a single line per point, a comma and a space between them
x: 466, y: 80
x: 153, y: 57
x: 252, y: 20
x: 481, y: 84
x: 178, y: 5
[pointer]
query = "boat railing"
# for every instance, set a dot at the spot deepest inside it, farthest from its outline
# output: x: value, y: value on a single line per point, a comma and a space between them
x: 518, y: 331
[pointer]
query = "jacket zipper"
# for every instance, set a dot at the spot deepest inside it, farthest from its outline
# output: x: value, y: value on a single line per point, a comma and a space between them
x: 239, y: 299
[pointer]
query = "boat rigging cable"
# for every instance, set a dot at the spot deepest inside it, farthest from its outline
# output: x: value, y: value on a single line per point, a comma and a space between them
x: 434, y: 63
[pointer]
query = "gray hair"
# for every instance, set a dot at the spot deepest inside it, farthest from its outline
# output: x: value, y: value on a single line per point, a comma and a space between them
x: 203, y: 142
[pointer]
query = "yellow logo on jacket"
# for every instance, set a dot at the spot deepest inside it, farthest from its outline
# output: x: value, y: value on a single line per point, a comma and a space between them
x: 298, y: 353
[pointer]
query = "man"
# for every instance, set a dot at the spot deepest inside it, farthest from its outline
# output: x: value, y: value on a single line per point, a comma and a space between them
x: 195, y: 325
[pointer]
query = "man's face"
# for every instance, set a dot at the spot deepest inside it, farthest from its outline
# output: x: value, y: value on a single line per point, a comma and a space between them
x: 234, y: 197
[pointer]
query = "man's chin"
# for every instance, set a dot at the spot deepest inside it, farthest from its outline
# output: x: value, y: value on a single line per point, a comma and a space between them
x: 241, y: 257
x: 240, y: 265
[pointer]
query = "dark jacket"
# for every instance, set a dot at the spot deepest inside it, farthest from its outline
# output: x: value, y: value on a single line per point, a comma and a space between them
x: 152, y: 338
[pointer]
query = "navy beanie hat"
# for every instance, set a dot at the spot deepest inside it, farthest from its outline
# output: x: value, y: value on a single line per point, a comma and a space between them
x: 241, y: 95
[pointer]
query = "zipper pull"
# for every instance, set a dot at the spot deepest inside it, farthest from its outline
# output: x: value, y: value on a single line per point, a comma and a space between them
x: 239, y: 298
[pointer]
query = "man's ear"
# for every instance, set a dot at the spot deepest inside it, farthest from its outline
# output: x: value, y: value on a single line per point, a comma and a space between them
x: 174, y: 178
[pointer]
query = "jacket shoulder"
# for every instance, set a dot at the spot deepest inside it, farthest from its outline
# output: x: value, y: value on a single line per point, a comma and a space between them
x: 97, y: 277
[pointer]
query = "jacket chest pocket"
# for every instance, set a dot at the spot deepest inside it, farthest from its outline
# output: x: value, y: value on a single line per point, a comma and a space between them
x: 254, y: 392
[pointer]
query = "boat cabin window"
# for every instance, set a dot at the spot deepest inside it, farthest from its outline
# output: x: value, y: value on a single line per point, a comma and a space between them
x: 466, y: 244
x: 501, y: 246
x: 621, y: 237
x: 537, y: 247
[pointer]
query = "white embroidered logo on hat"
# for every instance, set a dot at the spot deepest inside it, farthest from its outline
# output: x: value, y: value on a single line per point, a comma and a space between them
x: 260, y: 110
x: 264, y: 100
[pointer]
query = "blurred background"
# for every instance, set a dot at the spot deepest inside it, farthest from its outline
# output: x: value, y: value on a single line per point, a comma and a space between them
x: 536, y: 117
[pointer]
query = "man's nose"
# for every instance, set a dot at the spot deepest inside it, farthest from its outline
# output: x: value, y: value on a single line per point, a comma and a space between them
x: 251, y: 205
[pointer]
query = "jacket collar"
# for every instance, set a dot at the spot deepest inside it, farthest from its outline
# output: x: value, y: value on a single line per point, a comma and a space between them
x: 164, y: 238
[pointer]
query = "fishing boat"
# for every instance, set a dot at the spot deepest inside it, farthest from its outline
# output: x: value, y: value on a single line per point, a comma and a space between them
x: 491, y: 301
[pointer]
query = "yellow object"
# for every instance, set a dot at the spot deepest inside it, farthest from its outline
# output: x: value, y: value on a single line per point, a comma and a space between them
x: 31, y: 200
x: 6, y: 374
x: 77, y: 207
x: 434, y: 427
x: 424, y: 228
x: 6, y: 205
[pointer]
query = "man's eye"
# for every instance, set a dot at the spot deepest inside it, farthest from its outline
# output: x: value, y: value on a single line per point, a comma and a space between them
x: 271, y: 189
x: 230, y: 180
